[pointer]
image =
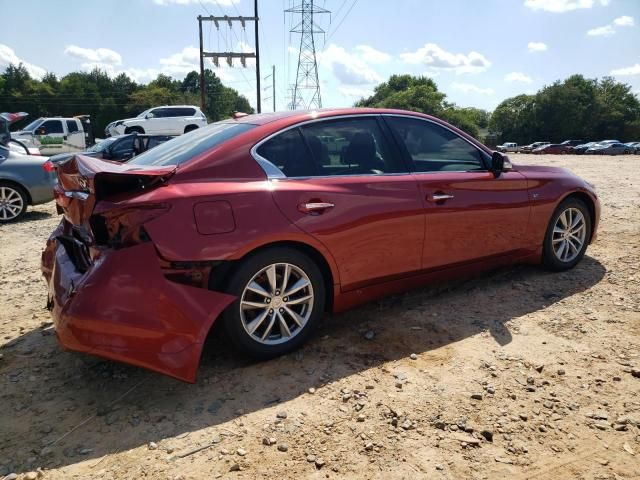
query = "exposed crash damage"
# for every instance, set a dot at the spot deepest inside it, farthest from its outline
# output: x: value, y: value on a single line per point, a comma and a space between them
x: 110, y: 293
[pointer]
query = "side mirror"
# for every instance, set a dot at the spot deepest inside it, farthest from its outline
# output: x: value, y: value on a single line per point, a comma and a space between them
x: 148, y: 116
x: 499, y: 163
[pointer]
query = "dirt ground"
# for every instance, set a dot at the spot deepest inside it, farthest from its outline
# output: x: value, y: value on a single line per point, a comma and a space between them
x: 520, y: 373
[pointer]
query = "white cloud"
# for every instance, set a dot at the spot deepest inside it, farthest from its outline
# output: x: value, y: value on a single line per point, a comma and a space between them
x: 349, y: 68
x: 471, y: 88
x: 8, y: 57
x: 605, y: 31
x: 434, y: 56
x: 99, y: 55
x: 561, y: 6
x: 632, y: 70
x: 517, y: 77
x: 222, y: 3
x: 537, y: 47
x: 624, y: 21
x: 355, y: 92
x: 371, y: 55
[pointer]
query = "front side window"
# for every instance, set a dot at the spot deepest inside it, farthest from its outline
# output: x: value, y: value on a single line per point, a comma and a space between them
x: 433, y: 148
x: 349, y: 146
x: 158, y: 113
x: 50, y: 126
x: 124, y: 145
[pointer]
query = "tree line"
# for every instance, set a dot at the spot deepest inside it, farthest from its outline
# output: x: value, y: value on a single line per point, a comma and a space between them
x: 107, y: 99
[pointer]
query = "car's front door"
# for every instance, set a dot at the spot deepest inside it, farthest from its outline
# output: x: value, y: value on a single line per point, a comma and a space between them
x: 156, y: 121
x: 50, y: 137
x: 347, y: 186
x: 470, y: 213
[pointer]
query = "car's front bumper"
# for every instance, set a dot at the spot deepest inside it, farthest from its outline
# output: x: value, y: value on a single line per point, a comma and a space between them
x: 123, y: 308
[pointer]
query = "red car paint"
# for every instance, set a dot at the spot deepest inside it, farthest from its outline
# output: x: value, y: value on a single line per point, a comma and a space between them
x: 143, y: 297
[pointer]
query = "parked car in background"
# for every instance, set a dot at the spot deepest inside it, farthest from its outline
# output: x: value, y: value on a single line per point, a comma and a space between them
x: 265, y: 222
x: 635, y: 146
x: 581, y: 149
x: 19, y: 147
x: 24, y: 179
x: 572, y: 143
x: 55, y: 135
x: 533, y: 146
x: 507, y: 147
x: 609, y: 149
x: 166, y: 120
x: 553, y: 148
x: 120, y: 148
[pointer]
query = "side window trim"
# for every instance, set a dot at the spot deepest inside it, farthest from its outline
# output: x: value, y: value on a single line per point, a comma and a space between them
x: 407, y: 156
x: 273, y: 172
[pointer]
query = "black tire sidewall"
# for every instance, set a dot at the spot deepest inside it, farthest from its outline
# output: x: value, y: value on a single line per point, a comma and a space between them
x: 23, y: 195
x: 238, y: 280
x: 549, y: 258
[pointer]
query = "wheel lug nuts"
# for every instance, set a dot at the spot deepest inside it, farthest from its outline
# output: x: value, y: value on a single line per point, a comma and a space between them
x: 271, y: 310
x: 277, y: 292
x: 286, y: 299
x: 268, y: 300
x: 282, y: 310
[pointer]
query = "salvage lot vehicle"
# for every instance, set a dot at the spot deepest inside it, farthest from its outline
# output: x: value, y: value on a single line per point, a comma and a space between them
x: 119, y: 148
x: 508, y: 147
x: 530, y: 148
x: 56, y: 134
x: 166, y: 120
x: 257, y: 221
x: 24, y: 178
x: 552, y: 148
x: 610, y: 148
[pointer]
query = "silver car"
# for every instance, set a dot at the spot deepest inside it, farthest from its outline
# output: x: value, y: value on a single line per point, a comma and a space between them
x: 24, y: 179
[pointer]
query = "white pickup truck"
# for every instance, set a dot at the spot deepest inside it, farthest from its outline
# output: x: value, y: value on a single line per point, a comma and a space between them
x: 55, y: 135
x: 508, y: 147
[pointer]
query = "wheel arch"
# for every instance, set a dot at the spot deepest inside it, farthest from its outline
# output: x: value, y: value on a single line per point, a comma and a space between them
x: 220, y: 275
x: 24, y: 189
x: 589, y: 202
x: 190, y: 127
x: 134, y: 128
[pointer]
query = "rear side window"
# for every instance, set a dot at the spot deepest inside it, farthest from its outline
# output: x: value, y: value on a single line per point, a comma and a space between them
x: 182, y: 112
x: 433, y: 148
x: 185, y: 147
x: 72, y: 126
x: 353, y: 146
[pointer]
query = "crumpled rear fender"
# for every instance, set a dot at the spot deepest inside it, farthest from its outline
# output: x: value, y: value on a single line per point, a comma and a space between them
x: 125, y: 309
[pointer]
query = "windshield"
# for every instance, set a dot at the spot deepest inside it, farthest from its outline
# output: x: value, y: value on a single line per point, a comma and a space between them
x: 187, y: 146
x: 103, y: 145
x: 33, y: 125
x: 142, y: 115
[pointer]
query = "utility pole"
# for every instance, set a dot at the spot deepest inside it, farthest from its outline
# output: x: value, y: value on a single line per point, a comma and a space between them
x: 272, y: 87
x: 307, y: 71
x: 202, y: 107
x: 229, y: 56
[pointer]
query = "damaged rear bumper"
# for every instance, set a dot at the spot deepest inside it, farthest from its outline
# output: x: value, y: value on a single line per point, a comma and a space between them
x: 123, y: 308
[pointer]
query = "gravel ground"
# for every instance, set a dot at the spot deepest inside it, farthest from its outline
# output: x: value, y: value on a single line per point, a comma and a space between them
x: 520, y: 373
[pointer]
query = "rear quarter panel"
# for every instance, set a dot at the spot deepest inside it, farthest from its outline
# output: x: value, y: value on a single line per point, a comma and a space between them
x: 27, y: 172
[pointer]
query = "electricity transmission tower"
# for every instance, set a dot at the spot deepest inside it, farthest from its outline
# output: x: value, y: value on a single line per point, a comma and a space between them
x: 307, y: 71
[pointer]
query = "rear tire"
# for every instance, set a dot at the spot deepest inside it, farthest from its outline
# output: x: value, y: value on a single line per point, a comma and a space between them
x: 568, y: 235
x: 13, y: 202
x: 271, y: 316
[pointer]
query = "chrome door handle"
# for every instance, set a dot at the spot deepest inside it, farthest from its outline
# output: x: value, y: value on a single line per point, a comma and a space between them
x: 438, y: 197
x: 315, y: 207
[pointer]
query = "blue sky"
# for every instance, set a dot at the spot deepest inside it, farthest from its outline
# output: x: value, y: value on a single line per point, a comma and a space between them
x: 478, y: 52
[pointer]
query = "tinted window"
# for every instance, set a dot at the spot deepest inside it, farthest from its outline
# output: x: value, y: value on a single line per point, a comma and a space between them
x: 123, y: 145
x: 72, y: 126
x: 181, y: 112
x: 288, y: 152
x: 433, y: 148
x: 185, y: 147
x: 158, y: 113
x: 52, y: 126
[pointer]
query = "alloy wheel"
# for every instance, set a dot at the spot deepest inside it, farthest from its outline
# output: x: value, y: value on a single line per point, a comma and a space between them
x: 569, y: 234
x: 11, y: 203
x: 276, y: 303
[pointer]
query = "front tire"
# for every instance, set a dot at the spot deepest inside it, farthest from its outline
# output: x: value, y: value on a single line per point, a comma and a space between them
x: 13, y: 202
x: 139, y: 130
x: 567, y: 236
x: 280, y: 300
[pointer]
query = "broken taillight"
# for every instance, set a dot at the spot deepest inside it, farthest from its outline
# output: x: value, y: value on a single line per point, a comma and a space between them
x: 49, y: 166
x: 124, y: 228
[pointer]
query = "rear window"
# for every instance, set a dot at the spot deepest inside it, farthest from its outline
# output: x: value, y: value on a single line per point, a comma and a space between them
x: 72, y: 126
x: 189, y: 145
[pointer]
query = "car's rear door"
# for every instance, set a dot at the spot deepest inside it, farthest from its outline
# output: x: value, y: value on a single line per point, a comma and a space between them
x: 470, y: 213
x: 347, y: 186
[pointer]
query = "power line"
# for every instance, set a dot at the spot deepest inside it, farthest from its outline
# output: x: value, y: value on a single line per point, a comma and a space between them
x: 341, y: 21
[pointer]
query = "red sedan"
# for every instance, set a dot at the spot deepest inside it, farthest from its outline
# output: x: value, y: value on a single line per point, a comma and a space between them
x: 266, y: 222
x: 553, y: 148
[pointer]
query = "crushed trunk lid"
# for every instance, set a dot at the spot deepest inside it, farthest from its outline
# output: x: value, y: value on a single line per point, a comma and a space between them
x: 84, y: 181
